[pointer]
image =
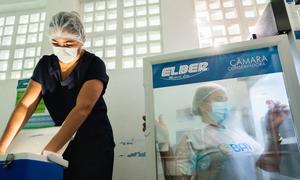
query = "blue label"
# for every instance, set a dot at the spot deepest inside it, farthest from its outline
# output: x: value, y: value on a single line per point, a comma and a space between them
x: 23, y: 83
x: 232, y: 65
x: 289, y: 1
x: 297, y: 34
x: 39, y: 121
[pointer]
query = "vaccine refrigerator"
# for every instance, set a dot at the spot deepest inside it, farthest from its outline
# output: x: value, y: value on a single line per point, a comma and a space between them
x: 256, y: 76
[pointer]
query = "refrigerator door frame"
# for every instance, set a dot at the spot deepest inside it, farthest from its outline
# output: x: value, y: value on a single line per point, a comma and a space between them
x: 289, y: 76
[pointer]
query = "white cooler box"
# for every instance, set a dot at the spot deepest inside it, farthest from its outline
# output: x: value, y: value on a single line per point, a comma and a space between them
x: 28, y: 166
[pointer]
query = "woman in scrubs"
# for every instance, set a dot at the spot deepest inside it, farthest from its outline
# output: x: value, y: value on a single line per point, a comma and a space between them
x: 218, y: 151
x: 71, y: 82
x: 213, y: 150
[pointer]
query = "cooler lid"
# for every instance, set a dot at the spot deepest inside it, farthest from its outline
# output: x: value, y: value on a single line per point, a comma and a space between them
x: 49, y: 157
x: 29, y: 156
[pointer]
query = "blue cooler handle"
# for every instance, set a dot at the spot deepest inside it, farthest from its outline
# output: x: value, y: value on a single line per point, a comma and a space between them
x: 8, y: 161
x: 55, y: 158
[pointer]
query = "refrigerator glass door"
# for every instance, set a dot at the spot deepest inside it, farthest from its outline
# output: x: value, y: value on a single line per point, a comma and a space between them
x: 224, y: 117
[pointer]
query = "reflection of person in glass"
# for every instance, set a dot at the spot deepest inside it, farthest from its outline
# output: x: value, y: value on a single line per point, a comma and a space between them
x: 215, y: 151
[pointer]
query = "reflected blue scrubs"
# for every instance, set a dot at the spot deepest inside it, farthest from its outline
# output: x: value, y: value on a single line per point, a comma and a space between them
x: 91, y: 152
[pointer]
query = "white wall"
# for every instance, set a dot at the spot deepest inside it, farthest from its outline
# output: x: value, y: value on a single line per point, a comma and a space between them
x: 8, y: 91
x: 178, y: 25
x: 125, y: 93
x: 125, y: 101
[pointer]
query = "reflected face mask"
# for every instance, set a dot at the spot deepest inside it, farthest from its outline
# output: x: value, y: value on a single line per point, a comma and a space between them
x: 220, y: 112
x: 65, y: 54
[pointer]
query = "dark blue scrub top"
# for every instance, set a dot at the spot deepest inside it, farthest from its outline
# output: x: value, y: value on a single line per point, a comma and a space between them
x: 60, y: 96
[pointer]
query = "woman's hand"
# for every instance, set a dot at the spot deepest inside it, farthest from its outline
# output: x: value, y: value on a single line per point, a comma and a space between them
x: 276, y: 114
x: 159, y: 123
x: 162, y: 132
x: 270, y: 159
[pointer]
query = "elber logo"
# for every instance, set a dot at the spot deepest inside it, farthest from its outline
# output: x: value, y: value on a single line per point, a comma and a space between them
x: 183, y: 71
x: 240, y: 63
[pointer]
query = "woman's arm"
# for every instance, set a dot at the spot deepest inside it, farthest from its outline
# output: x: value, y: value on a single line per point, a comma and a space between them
x: 87, y: 98
x: 270, y: 159
x: 21, y: 114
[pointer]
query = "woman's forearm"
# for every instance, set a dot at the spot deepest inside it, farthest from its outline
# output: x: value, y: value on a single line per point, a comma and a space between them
x: 72, y: 123
x: 17, y: 120
x: 273, y: 141
x: 87, y: 98
x: 270, y: 158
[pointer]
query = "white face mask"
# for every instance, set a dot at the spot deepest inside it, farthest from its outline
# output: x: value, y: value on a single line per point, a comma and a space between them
x: 220, y: 112
x: 65, y: 54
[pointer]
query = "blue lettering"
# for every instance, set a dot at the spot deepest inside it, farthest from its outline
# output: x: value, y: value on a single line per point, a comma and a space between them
x: 235, y: 147
x: 249, y: 147
x: 244, y: 147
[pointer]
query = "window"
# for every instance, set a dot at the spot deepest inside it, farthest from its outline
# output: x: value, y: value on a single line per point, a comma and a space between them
x: 141, y: 11
x: 203, y: 17
x: 234, y: 29
x: 235, y: 39
x: 17, y: 65
x: 247, y: 2
x: 20, y: 40
x: 127, y: 38
x: 220, y: 40
x: 3, y: 65
x: 19, y: 53
x: 6, y: 41
x: 230, y: 14
x: 10, y: 20
x: 27, y: 73
x: 128, y: 50
x: 154, y: 36
x: 110, y: 52
x: 228, y: 3
x: 155, y: 48
x: 141, y: 37
x: 8, y: 30
x: 226, y: 21
x: 110, y: 64
x: 2, y: 76
x: 205, y: 32
x: 16, y: 74
x: 250, y: 12
x: 216, y: 15
x: 98, y: 42
x: 4, y: 54
x: 127, y: 63
x: 28, y: 30
x: 122, y: 32
x: 110, y: 40
x: 1, y: 21
x: 206, y: 43
x: 22, y: 29
x: 219, y: 30
x: 29, y: 63
x: 215, y: 4
x: 99, y: 52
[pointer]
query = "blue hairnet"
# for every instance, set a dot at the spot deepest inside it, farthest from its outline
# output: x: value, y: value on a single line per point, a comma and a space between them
x: 202, y: 92
x: 67, y: 25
